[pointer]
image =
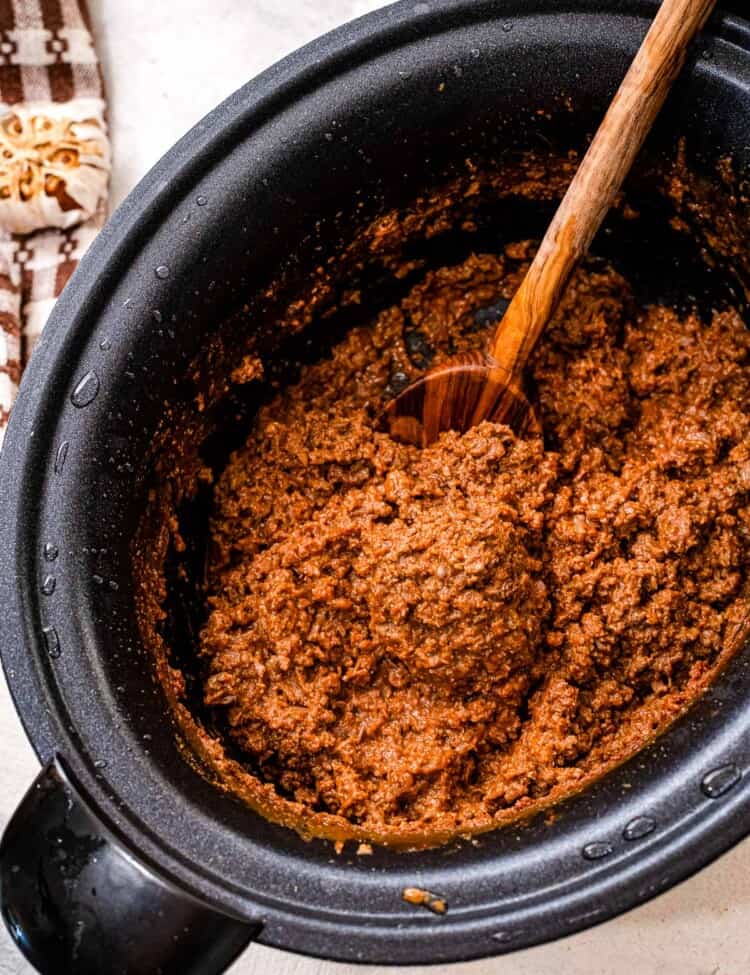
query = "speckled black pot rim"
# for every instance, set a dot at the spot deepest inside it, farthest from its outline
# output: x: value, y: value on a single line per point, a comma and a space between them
x: 616, y: 845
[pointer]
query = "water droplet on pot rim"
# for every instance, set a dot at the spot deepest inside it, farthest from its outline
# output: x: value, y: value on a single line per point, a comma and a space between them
x: 597, y: 850
x: 638, y: 828
x: 86, y: 390
x: 720, y: 780
x: 52, y: 641
x: 62, y: 453
x: 48, y: 585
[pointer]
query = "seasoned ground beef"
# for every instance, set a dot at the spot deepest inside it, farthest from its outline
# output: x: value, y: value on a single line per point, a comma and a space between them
x: 415, y: 639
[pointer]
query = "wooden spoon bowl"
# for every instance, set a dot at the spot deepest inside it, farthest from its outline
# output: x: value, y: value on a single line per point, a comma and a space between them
x: 457, y: 395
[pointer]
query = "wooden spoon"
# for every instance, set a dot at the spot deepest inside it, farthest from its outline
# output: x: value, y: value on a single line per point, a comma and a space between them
x: 488, y: 385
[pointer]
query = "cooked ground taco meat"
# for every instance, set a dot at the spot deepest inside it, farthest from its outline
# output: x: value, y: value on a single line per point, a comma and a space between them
x: 427, y: 639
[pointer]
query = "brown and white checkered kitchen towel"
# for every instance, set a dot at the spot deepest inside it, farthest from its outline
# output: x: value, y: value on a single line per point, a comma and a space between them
x: 54, y: 167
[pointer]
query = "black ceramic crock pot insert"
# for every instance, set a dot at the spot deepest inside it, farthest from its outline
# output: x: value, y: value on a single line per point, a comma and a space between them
x: 354, y: 118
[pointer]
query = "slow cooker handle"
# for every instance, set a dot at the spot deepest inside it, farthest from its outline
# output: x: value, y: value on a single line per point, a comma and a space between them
x: 76, y: 901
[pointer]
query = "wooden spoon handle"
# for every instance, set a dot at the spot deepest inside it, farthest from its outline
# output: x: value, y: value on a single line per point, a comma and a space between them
x: 599, y: 178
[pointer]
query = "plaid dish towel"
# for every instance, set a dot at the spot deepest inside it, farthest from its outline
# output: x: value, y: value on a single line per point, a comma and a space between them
x: 54, y: 167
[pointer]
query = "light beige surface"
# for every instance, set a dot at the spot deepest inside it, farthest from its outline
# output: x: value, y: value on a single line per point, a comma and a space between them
x: 167, y: 64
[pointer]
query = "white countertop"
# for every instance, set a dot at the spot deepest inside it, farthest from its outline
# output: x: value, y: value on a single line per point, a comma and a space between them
x: 167, y: 64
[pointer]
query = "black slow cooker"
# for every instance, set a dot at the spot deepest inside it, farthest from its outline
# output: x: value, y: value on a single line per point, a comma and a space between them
x: 123, y: 856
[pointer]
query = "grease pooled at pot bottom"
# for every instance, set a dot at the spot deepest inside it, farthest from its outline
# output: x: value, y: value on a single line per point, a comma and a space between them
x: 433, y: 641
